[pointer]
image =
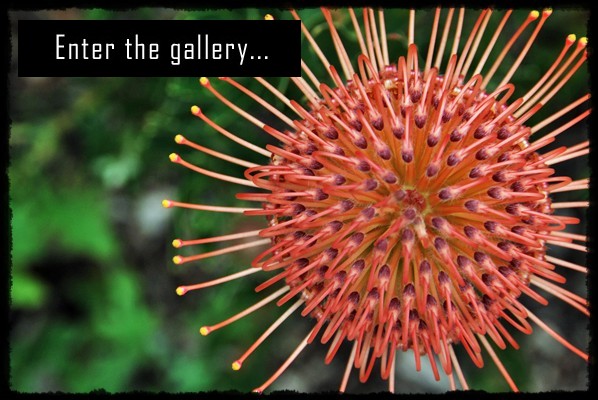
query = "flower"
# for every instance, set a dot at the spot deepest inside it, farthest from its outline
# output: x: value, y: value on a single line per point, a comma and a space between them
x: 409, y: 206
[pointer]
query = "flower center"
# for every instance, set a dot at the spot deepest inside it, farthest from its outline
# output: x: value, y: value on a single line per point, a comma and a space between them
x: 406, y: 208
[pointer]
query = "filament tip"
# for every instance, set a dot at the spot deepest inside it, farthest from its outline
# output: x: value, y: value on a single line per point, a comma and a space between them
x: 583, y: 41
x: 177, y: 259
x: 204, y: 330
x: 181, y: 290
x: 571, y: 38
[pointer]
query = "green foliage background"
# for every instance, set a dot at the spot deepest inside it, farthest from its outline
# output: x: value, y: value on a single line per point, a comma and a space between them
x: 93, y: 304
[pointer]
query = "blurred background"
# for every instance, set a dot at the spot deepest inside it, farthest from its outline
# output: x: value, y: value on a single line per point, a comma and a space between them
x: 93, y: 302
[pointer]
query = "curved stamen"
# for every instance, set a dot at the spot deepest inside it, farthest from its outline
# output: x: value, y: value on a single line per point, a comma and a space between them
x: 284, y: 366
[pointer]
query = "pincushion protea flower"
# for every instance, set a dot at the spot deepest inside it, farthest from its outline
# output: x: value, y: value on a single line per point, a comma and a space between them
x: 410, y: 206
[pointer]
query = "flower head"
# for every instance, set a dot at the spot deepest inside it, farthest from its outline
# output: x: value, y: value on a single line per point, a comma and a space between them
x: 409, y: 206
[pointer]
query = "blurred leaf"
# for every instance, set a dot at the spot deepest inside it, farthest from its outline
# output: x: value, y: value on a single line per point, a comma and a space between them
x: 73, y: 218
x: 190, y: 374
x: 26, y: 291
x: 122, y: 315
x: 116, y: 171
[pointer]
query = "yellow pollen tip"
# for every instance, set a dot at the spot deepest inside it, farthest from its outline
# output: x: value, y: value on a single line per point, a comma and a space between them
x: 204, y: 330
x: 166, y: 203
x: 177, y: 243
x: 268, y: 17
x: 547, y: 12
x: 177, y: 259
x: 181, y: 290
x: 174, y: 157
x: 236, y: 366
x: 571, y: 38
x: 204, y: 81
x: 583, y: 41
x: 179, y: 139
x: 195, y: 110
x: 534, y: 14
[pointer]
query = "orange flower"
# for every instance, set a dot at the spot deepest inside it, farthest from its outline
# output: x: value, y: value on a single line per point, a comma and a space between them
x: 409, y: 206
